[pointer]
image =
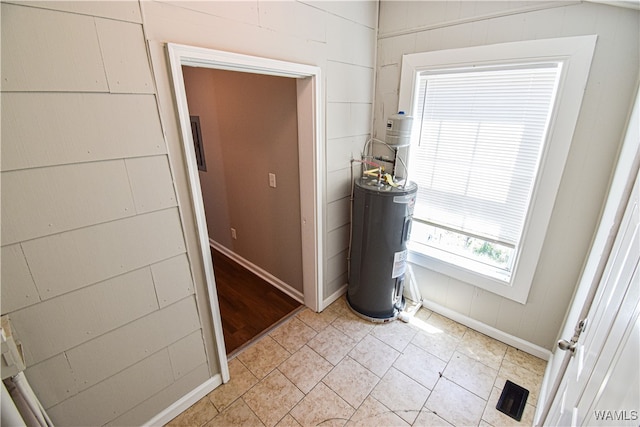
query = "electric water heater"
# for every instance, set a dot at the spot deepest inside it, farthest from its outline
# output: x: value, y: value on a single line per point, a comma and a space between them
x: 381, y: 223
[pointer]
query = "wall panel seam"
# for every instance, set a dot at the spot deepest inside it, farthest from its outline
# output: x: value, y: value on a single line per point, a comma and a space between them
x: 126, y: 168
x: 80, y: 392
x: 152, y: 313
x: 31, y: 275
x: 489, y: 16
x: 70, y: 12
x: 104, y: 67
x: 101, y: 223
x: 165, y: 346
x: 364, y: 67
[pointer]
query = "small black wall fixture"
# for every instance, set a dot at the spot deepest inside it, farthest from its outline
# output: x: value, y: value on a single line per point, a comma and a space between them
x: 197, y: 142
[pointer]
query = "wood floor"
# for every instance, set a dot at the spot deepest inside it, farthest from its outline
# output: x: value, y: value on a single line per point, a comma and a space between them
x: 248, y: 304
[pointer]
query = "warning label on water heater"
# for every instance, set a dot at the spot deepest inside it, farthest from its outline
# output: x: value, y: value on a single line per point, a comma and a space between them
x: 399, y: 264
x: 407, y: 198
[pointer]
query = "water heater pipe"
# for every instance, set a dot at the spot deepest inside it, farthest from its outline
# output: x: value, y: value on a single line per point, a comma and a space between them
x: 32, y: 402
x: 10, y: 415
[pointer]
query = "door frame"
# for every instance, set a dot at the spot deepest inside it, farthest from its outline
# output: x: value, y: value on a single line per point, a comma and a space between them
x: 311, y: 164
x: 621, y: 185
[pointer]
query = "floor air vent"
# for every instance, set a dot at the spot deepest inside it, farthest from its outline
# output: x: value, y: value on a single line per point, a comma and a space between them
x: 513, y: 400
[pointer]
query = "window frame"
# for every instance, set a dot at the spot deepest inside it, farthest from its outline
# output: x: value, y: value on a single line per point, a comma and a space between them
x: 527, y: 153
x: 575, y: 54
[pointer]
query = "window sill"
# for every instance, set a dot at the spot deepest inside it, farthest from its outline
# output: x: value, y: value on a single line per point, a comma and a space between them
x: 484, y: 277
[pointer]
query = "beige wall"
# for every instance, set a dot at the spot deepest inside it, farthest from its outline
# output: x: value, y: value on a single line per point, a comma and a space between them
x: 409, y: 27
x: 101, y: 271
x: 99, y: 248
x: 337, y: 36
x: 249, y: 129
x: 95, y: 272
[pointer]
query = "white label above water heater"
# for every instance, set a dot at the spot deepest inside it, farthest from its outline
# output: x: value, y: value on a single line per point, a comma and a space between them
x: 399, y: 130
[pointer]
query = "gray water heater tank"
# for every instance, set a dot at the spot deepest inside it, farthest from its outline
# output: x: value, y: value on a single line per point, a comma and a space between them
x: 381, y: 223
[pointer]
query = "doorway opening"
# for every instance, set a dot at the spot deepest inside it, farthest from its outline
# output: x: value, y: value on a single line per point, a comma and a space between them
x: 250, y: 306
x: 245, y: 134
x: 310, y: 158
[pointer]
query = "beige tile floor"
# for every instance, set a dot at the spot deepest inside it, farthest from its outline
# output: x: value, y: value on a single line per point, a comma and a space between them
x: 335, y: 369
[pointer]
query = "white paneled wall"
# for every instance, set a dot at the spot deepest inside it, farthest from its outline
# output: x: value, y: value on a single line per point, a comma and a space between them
x: 410, y: 27
x: 339, y: 37
x: 38, y: 63
x: 95, y: 274
x: 98, y: 240
x: 138, y: 132
x: 99, y: 192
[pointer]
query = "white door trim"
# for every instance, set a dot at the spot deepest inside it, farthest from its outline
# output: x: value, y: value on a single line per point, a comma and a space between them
x: 619, y: 192
x: 311, y: 165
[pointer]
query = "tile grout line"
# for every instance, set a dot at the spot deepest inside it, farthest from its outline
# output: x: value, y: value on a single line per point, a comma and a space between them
x: 339, y: 315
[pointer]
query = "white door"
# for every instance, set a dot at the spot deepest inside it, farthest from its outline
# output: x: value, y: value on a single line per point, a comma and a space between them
x: 607, y: 337
x: 610, y: 348
x: 596, y: 380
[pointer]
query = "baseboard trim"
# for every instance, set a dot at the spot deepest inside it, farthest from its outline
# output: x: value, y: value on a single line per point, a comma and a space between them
x: 334, y: 296
x: 263, y: 274
x: 185, y: 402
x: 483, y: 328
x: 474, y: 324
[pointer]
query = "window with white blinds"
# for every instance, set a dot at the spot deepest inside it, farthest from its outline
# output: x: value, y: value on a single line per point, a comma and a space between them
x: 493, y: 125
x: 480, y: 138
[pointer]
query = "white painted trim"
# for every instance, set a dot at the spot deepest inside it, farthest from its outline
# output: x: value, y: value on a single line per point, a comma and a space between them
x: 334, y: 296
x: 310, y: 147
x: 175, y: 62
x: 312, y: 220
x: 575, y: 54
x: 490, y: 331
x: 222, y: 60
x: 620, y: 188
x: 263, y: 274
x: 185, y: 402
x: 311, y: 161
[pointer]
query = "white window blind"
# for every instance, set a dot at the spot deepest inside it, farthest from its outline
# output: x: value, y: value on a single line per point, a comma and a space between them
x: 481, y: 134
